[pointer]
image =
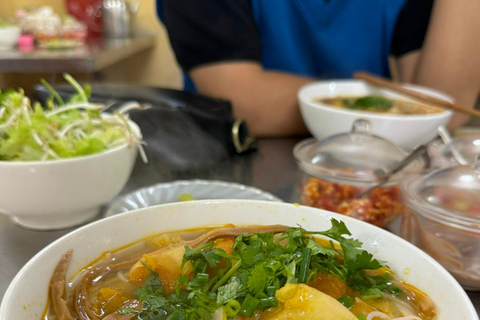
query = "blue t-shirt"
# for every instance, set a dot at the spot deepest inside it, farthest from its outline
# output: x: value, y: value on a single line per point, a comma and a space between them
x: 317, y: 38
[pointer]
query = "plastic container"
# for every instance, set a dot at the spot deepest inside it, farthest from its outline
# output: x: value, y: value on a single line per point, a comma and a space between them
x: 442, y: 155
x: 337, y: 169
x: 442, y: 217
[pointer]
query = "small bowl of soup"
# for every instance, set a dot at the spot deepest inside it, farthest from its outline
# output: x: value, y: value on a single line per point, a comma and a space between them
x: 331, y: 107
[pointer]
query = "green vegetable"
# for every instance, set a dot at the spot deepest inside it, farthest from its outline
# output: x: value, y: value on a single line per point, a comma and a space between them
x: 361, y: 316
x: 151, y: 292
x: 185, y: 197
x: 249, y: 305
x: 232, y: 308
x: 347, y: 301
x: 260, y: 265
x: 304, y: 265
x: 371, y: 103
x: 30, y: 132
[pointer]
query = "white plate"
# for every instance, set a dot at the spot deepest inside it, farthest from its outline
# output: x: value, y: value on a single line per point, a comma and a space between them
x: 27, y: 294
x: 200, y: 189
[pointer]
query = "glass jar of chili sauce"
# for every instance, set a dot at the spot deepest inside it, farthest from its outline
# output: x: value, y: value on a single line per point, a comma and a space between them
x: 336, y: 170
x: 442, y: 217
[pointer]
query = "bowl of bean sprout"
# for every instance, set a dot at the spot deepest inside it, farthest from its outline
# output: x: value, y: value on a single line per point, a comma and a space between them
x: 61, y: 162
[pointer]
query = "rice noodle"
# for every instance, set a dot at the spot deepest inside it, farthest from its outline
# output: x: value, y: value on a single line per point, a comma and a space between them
x: 403, y: 307
x: 377, y: 314
x: 122, y: 277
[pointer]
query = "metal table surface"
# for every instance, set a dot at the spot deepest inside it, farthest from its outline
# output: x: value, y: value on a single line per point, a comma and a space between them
x: 94, y: 56
x: 272, y: 169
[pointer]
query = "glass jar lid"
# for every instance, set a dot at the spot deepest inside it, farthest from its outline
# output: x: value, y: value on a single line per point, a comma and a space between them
x: 355, y: 156
x: 467, y: 147
x: 450, y: 194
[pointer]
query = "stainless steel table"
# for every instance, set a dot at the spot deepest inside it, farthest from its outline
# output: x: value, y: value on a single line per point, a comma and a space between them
x: 272, y: 168
x: 96, y: 55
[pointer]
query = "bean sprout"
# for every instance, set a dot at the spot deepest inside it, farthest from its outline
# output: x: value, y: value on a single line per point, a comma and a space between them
x: 86, y: 106
x: 55, y: 133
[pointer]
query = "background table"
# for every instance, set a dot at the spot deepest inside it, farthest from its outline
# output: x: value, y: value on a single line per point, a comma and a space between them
x: 272, y: 169
x: 96, y: 55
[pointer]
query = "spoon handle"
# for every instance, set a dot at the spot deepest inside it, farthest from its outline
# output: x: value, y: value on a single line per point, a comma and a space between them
x: 412, y: 156
x: 402, y: 164
x: 476, y: 165
x: 443, y: 133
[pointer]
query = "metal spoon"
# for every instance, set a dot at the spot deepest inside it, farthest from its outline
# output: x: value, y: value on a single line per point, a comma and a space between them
x: 418, y: 151
x: 447, y: 138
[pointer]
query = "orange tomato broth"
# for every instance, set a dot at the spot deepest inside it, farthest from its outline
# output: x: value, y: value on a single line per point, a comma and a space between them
x: 325, y: 283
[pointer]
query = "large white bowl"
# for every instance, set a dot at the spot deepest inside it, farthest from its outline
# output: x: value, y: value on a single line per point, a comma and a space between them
x: 27, y: 294
x: 62, y: 193
x: 9, y: 37
x: 406, y: 131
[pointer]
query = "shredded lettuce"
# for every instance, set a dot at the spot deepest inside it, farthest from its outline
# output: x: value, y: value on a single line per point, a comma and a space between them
x: 30, y: 132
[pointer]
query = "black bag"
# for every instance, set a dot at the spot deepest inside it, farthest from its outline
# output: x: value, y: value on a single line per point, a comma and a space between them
x: 185, y: 128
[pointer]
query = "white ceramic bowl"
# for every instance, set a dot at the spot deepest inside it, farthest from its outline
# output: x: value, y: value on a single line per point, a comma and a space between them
x: 9, y: 37
x: 27, y: 294
x: 62, y: 193
x: 406, y: 131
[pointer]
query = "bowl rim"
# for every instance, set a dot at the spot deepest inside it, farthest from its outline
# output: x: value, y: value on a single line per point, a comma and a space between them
x: 11, y: 27
x: 461, y: 292
x: 303, y: 98
x: 134, y: 126
x: 110, y: 211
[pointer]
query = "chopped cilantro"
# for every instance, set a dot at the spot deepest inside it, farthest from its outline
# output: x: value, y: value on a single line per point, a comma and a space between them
x: 260, y: 265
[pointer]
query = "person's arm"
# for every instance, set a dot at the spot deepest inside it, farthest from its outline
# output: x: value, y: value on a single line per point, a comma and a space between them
x: 449, y: 60
x: 266, y: 100
x: 218, y: 44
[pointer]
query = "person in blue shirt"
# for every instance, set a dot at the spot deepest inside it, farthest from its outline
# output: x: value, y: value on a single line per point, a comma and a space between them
x: 258, y: 53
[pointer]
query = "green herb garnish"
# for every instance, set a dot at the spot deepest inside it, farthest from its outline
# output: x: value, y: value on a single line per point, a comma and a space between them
x: 260, y: 265
x: 369, y: 103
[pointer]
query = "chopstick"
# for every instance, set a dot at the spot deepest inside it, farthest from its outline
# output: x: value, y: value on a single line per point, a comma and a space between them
x: 385, y: 83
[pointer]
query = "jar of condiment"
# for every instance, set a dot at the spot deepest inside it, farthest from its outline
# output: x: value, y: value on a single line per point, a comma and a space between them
x: 339, y: 168
x: 445, y: 155
x: 442, y: 217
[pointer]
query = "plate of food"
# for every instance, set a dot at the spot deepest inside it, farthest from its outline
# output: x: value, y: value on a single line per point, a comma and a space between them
x: 186, y: 190
x: 236, y: 259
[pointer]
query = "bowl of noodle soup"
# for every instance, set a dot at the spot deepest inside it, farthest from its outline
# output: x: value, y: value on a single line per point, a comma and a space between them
x: 324, y: 117
x: 119, y: 238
